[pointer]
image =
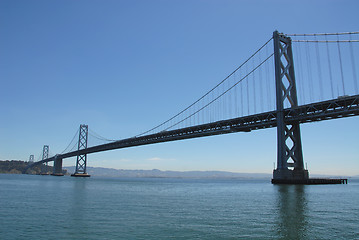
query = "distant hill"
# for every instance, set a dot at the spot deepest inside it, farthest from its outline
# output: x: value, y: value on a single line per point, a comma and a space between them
x: 155, y: 173
x: 110, y: 172
x: 16, y: 167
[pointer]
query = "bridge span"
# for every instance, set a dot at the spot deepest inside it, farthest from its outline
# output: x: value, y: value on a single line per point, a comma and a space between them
x: 327, y: 110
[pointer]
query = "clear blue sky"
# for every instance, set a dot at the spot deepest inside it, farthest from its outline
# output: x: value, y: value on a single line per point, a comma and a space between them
x: 124, y: 66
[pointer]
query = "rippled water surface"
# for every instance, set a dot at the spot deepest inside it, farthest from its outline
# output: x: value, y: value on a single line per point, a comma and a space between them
x: 47, y: 207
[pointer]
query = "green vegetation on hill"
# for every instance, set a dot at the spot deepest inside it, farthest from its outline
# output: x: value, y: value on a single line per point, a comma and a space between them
x: 16, y: 167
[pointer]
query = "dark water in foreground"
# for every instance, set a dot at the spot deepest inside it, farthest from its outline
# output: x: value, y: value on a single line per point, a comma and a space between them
x: 46, y: 207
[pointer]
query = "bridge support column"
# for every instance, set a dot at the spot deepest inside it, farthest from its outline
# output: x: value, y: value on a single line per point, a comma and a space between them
x: 290, y: 164
x: 57, y: 170
x: 81, y: 161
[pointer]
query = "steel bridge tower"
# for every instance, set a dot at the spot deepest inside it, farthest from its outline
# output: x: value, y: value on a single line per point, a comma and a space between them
x: 81, y: 161
x: 45, y: 155
x: 290, y: 164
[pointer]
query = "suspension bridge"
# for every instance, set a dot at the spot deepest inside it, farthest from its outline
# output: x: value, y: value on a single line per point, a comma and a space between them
x: 263, y: 92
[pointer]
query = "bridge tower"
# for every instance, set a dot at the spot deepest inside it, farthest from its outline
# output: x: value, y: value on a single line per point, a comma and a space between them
x: 290, y: 164
x: 81, y: 161
x: 45, y: 155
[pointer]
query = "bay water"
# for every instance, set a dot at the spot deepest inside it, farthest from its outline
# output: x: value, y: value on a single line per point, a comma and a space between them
x: 47, y: 207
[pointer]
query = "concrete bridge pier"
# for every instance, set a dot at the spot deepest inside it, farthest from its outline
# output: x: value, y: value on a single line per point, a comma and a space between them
x: 57, y: 167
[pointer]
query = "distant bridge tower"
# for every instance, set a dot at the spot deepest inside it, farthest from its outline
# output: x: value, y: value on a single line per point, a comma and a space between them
x: 289, y: 145
x: 81, y: 161
x: 31, y: 158
x: 45, y: 155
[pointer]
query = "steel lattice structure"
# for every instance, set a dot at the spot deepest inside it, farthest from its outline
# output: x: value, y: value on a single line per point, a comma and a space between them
x: 289, y: 144
x: 45, y: 155
x: 81, y: 161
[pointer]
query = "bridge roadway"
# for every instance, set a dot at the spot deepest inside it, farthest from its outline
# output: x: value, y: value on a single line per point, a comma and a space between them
x: 337, y: 108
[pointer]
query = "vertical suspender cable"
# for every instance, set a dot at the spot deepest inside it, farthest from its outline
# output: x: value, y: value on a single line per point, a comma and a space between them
x: 319, y: 70
x: 215, y: 106
x: 221, y: 108
x: 247, y: 85
x: 271, y: 84
x: 309, y: 72
x: 189, y: 112
x: 353, y: 64
x: 223, y: 102
x: 300, y: 78
x: 254, y: 88
x: 203, y: 117
x: 212, y: 107
x: 229, y: 100
x: 235, y: 98
x: 330, y: 67
x: 241, y: 86
x: 341, y: 64
x: 260, y: 84
x: 269, y: 104
x: 195, y: 116
x: 198, y: 114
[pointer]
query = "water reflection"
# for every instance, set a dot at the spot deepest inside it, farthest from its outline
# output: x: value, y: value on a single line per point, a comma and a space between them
x: 292, y: 210
x: 78, y: 199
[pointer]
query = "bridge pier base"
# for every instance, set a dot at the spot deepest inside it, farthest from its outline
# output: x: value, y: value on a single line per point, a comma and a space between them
x: 287, y: 174
x: 57, y: 171
x: 80, y: 175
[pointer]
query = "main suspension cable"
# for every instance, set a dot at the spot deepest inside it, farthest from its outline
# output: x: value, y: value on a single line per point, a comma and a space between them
x: 70, y: 142
x: 99, y: 137
x: 222, y: 93
x: 207, y: 92
x: 322, y: 34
